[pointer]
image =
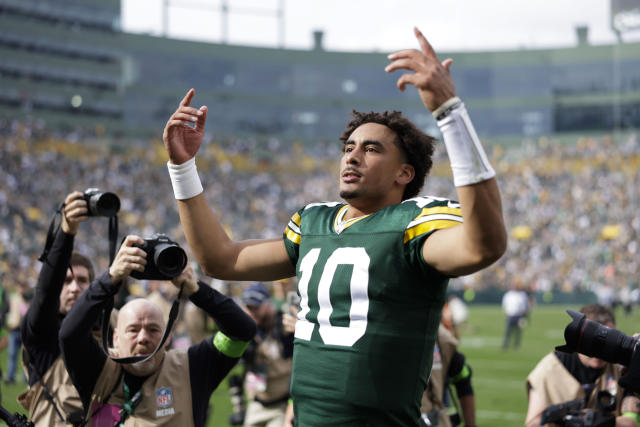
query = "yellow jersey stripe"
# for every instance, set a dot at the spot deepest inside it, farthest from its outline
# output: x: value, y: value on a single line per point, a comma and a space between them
x: 296, y: 219
x: 294, y: 237
x: 439, y: 210
x: 426, y: 227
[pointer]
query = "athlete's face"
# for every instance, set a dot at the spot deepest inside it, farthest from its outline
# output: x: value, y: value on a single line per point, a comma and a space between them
x: 372, y: 167
x: 138, y: 333
x: 75, y: 284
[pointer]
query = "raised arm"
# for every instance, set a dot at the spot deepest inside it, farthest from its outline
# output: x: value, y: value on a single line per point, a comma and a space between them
x: 481, y: 239
x: 216, y: 253
x: 41, y: 318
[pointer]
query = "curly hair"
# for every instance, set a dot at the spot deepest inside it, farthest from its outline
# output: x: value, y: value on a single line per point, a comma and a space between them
x: 416, y: 145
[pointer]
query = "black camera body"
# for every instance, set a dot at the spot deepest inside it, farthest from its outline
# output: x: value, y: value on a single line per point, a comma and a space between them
x: 101, y: 203
x: 165, y: 259
x: 572, y: 414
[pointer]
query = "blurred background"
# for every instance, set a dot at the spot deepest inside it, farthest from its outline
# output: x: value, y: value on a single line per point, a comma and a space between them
x: 554, y: 93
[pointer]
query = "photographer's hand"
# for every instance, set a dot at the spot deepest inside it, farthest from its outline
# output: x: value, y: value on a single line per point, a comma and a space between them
x: 187, y: 280
x: 127, y: 259
x: 74, y: 212
x: 180, y: 139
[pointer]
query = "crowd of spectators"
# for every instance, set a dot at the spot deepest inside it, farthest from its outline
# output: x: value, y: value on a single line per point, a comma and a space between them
x: 571, y: 207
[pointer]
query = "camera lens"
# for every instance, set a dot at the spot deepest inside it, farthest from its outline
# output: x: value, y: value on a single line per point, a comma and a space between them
x: 596, y: 340
x: 107, y: 204
x: 101, y: 204
x: 170, y: 259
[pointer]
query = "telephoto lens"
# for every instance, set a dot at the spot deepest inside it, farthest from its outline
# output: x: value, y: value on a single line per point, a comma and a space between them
x: 596, y: 340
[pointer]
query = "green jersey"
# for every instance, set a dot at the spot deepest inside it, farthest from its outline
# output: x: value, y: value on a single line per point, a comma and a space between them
x: 369, y: 305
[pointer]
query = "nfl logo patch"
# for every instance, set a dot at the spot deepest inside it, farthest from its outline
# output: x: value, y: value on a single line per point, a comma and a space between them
x: 164, y: 397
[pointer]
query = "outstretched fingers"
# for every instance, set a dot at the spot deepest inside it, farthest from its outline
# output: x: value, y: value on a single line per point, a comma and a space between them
x: 447, y: 64
x: 412, y: 79
x: 188, y: 97
x: 201, y: 118
x: 425, y: 46
x: 404, y: 63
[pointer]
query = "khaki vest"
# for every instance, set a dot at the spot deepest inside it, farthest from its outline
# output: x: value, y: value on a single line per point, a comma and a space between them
x: 432, y: 398
x: 555, y: 384
x: 156, y: 408
x: 14, y: 316
x: 59, y: 384
x: 269, y: 354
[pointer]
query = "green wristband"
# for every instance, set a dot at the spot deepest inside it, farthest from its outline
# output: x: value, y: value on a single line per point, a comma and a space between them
x: 464, y: 373
x: 229, y: 347
x: 633, y: 415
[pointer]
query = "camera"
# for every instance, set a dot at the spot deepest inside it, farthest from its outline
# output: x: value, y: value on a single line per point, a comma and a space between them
x: 101, y: 203
x: 15, y: 420
x: 165, y: 259
x: 572, y: 414
x: 596, y: 340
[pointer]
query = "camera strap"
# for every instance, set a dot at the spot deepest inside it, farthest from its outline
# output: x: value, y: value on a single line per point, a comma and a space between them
x: 106, y: 315
x: 113, y: 237
x: 56, y: 222
x: 54, y: 225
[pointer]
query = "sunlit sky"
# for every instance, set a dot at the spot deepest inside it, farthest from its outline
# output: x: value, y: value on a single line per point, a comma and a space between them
x: 373, y: 25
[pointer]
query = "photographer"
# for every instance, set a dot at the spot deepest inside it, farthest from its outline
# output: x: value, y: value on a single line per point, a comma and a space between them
x: 51, y: 397
x: 449, y: 368
x: 561, y: 377
x: 173, y: 387
x: 268, y: 361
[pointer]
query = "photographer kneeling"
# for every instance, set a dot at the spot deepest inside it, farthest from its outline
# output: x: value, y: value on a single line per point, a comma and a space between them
x: 562, y: 377
x: 174, y: 386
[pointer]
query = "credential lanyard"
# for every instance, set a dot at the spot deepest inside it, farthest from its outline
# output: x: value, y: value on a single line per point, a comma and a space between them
x: 130, y: 403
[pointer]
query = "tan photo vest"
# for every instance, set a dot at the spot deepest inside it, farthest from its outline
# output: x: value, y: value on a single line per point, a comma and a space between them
x: 65, y: 396
x: 432, y: 398
x: 166, y: 395
x: 278, y: 370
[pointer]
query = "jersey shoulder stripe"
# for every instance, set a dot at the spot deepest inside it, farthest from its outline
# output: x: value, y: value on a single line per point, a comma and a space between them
x: 436, y: 213
x: 293, y: 231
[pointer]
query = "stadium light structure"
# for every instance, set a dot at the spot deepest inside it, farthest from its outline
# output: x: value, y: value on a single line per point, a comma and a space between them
x: 224, y: 9
x: 625, y: 16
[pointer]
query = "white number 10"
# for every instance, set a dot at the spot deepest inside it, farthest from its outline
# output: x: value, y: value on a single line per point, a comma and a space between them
x: 335, y: 335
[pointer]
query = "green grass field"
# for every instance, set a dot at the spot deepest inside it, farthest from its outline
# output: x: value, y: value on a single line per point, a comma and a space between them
x: 498, y: 376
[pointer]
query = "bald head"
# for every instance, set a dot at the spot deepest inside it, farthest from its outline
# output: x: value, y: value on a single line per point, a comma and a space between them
x: 139, y: 308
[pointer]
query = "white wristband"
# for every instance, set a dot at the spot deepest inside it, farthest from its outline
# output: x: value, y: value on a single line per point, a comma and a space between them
x: 446, y: 105
x: 185, y: 180
x: 468, y: 160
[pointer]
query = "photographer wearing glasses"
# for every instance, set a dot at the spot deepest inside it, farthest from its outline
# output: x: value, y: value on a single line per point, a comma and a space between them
x: 51, y: 398
x: 564, y: 377
x: 169, y: 387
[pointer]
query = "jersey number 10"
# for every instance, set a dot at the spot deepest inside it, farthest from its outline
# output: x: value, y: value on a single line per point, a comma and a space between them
x: 335, y: 335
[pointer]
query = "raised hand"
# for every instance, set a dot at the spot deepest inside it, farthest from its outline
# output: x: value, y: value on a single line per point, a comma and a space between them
x: 430, y: 76
x: 186, y: 279
x: 128, y: 258
x: 180, y: 139
x: 74, y: 212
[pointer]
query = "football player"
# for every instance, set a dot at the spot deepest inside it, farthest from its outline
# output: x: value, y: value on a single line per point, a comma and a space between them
x: 372, y: 269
